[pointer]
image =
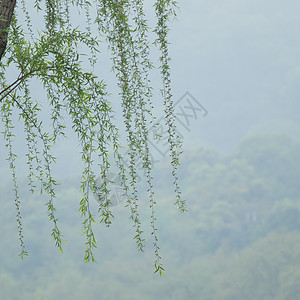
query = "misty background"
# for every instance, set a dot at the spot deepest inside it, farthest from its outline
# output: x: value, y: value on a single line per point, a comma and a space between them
x: 235, y: 78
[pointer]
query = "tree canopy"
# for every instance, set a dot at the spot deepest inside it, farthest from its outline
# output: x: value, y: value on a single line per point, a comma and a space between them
x: 243, y: 231
x: 53, y: 56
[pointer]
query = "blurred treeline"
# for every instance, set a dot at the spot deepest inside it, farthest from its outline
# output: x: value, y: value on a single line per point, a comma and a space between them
x: 239, y: 240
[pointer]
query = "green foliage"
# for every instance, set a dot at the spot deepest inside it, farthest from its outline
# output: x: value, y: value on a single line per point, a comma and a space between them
x: 220, y: 250
x: 270, y: 154
x: 53, y: 56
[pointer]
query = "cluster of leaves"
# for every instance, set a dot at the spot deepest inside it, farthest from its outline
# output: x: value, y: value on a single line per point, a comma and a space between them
x: 53, y: 57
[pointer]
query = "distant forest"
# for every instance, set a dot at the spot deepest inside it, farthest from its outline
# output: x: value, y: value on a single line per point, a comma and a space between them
x: 239, y: 240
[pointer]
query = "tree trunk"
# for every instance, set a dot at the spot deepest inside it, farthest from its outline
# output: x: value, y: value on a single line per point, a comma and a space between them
x: 6, y: 12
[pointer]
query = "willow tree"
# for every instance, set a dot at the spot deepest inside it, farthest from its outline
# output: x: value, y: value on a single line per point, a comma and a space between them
x: 52, y: 55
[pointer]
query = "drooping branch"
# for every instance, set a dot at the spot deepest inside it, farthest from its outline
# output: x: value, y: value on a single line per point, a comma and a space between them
x: 6, y: 11
x: 53, y: 57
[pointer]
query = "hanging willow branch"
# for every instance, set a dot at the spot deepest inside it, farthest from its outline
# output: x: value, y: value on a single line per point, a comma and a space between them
x: 53, y: 56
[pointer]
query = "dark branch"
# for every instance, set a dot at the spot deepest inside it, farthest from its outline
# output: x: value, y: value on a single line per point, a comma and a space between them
x: 14, y: 85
